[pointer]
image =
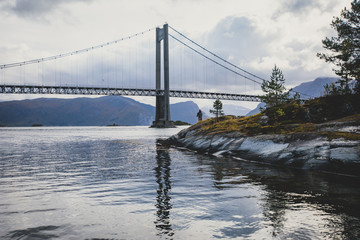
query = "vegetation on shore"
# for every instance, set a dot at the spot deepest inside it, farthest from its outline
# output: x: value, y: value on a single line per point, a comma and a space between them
x: 37, y: 125
x: 314, y: 116
x: 180, y: 123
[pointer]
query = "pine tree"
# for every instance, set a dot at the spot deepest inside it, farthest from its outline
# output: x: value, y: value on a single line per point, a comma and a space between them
x: 274, y: 89
x: 345, y: 48
x: 217, y: 111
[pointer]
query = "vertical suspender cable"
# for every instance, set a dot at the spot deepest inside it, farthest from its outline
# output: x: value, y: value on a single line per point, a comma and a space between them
x: 149, y: 64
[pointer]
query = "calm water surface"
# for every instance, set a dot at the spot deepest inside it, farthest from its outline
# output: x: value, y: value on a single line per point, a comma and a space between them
x: 116, y: 183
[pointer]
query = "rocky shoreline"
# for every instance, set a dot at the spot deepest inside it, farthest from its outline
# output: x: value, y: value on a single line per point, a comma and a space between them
x: 303, y: 150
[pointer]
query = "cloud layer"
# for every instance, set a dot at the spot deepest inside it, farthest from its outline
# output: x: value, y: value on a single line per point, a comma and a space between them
x: 31, y: 9
x: 255, y: 35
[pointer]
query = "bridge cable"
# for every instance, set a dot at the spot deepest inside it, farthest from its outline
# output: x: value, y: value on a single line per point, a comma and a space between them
x: 235, y: 72
x: 217, y: 56
x: 17, y: 64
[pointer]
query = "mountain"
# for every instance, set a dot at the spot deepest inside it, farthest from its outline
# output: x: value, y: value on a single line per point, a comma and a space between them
x: 185, y: 111
x: 235, y: 110
x: 307, y: 90
x: 230, y: 109
x: 314, y: 88
x: 88, y: 112
x: 256, y: 110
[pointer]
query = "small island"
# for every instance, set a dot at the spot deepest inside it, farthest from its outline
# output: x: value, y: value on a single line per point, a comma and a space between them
x: 321, y: 134
x: 181, y: 123
x: 37, y: 125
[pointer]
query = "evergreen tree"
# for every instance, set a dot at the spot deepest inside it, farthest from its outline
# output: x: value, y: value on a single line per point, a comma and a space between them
x: 274, y: 89
x: 217, y: 111
x: 345, y: 48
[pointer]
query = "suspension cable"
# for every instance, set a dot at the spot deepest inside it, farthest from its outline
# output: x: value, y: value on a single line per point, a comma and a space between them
x: 221, y: 65
x: 217, y: 56
x: 17, y: 64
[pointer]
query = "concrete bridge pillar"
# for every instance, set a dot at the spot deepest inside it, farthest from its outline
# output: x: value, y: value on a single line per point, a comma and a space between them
x: 162, y: 115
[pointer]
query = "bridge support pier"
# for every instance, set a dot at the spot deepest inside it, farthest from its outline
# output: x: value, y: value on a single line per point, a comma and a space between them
x: 162, y: 115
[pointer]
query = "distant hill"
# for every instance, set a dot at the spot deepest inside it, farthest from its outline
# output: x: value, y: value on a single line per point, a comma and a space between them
x: 313, y: 88
x: 100, y: 111
x: 307, y: 90
x: 185, y: 111
x: 235, y: 110
x: 256, y: 110
x: 230, y: 109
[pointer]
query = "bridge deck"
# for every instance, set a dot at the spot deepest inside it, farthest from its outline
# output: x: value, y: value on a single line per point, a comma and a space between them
x: 23, y: 89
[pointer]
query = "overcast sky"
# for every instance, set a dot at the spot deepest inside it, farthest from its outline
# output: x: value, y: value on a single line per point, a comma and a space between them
x: 254, y: 35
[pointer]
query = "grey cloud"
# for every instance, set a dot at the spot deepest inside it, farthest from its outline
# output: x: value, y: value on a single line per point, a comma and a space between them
x: 237, y: 36
x: 240, y: 38
x: 34, y: 9
x: 300, y: 7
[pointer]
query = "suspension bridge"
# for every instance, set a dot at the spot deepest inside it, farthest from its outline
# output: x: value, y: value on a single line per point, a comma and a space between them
x: 129, y: 73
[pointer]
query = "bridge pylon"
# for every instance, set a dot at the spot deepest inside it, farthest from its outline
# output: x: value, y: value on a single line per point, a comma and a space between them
x: 162, y: 115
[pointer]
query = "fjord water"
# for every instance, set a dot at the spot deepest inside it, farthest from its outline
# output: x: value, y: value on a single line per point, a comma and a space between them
x: 116, y: 183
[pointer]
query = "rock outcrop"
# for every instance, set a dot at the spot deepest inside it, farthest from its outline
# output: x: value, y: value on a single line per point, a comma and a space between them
x: 326, y: 149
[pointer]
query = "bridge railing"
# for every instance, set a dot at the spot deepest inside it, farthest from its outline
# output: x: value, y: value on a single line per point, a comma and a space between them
x: 74, y: 90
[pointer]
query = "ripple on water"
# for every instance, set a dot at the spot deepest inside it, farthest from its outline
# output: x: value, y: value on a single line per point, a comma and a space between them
x: 40, y: 232
x: 85, y: 183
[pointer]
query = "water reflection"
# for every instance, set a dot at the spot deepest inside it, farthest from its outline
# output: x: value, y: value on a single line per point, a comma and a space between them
x: 274, y: 209
x: 128, y: 188
x: 163, y: 199
x: 295, y: 204
x: 34, y: 233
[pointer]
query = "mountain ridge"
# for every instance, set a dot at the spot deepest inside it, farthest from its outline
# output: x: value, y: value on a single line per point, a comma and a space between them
x: 107, y: 110
x: 306, y: 90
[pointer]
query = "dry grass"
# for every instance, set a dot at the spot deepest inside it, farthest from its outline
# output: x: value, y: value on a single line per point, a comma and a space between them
x: 253, y: 125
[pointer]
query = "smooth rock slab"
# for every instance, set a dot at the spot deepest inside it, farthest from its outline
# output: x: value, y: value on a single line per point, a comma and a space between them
x: 305, y: 151
x: 261, y: 147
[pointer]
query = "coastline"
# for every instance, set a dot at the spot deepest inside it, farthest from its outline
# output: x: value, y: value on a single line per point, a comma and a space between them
x: 333, y: 147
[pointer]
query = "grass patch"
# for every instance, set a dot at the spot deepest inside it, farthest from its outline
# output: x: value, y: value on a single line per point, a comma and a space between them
x: 253, y: 125
x: 345, y: 135
x: 297, y: 118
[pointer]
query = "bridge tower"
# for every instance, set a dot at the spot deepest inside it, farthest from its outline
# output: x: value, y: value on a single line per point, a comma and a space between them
x: 162, y: 115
